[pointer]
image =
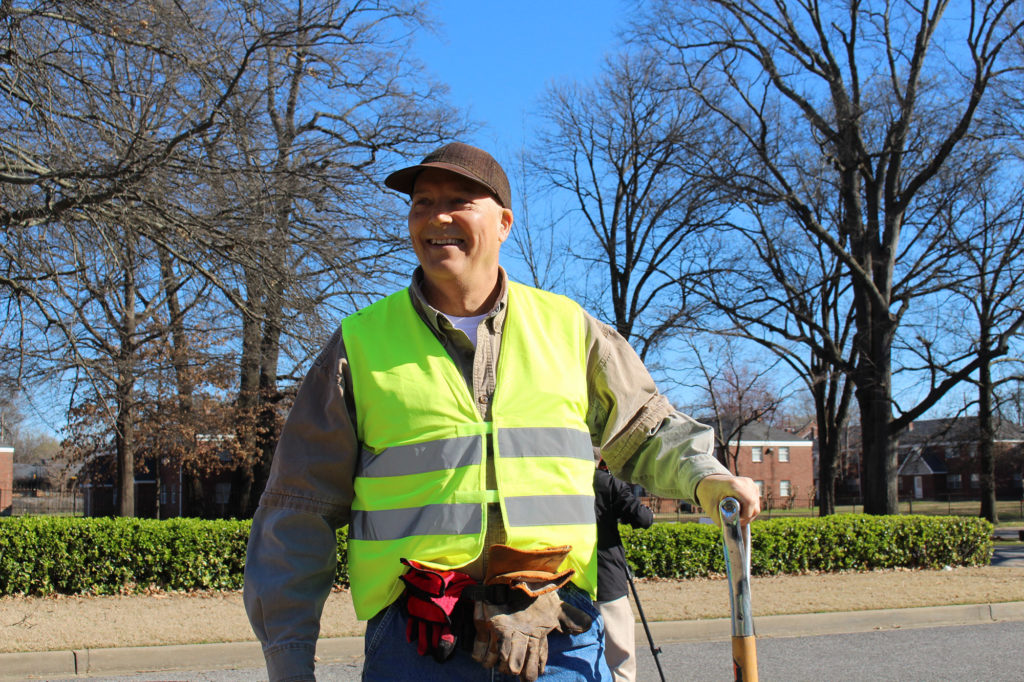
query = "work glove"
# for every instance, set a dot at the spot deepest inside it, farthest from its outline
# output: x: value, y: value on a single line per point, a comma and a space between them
x: 514, y: 635
x: 432, y: 605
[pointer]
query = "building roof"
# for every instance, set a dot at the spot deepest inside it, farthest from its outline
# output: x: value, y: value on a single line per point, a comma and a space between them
x: 956, y: 430
x: 917, y: 464
x: 758, y: 432
x: 27, y: 470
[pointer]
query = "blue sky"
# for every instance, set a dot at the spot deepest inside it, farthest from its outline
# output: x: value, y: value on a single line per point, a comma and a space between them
x: 499, y: 57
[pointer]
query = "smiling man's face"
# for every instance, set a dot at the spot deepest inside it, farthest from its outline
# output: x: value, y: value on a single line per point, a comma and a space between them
x: 457, y: 228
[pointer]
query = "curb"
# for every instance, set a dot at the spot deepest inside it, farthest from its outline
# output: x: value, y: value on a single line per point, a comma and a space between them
x: 230, y: 655
x: 129, y: 660
x: 811, y: 624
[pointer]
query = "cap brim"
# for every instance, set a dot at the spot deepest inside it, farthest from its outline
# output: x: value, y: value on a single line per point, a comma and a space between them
x: 404, y: 180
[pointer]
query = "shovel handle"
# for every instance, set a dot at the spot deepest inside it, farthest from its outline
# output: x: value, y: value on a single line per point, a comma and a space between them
x: 744, y: 659
x: 736, y: 546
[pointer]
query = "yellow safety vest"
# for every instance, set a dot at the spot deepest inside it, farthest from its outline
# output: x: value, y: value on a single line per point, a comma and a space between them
x: 420, y: 484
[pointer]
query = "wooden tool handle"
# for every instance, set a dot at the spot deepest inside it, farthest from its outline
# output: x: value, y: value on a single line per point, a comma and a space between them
x: 744, y: 659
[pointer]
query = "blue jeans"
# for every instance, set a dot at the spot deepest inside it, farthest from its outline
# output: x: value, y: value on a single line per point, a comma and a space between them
x: 570, y: 657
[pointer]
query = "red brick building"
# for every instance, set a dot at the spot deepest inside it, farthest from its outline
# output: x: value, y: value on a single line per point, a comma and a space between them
x: 162, y: 490
x: 939, y: 460
x: 6, y: 479
x: 780, y: 462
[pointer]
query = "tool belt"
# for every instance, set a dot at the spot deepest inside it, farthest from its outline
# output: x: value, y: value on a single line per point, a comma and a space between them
x: 505, y: 621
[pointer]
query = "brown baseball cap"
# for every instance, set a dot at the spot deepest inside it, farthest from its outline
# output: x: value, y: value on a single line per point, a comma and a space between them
x: 462, y: 159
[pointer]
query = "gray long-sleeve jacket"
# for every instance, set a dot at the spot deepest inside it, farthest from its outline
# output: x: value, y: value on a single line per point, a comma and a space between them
x: 292, y: 552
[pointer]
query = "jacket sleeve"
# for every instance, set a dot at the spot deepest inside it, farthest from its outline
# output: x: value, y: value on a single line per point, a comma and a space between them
x: 629, y: 509
x: 292, y: 553
x: 642, y: 437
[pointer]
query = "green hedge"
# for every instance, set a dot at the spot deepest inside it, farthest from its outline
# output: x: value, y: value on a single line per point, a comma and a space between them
x: 47, y: 555
x: 795, y: 545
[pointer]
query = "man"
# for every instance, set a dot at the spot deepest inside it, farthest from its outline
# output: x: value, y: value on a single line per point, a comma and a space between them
x: 451, y: 426
x: 614, y: 504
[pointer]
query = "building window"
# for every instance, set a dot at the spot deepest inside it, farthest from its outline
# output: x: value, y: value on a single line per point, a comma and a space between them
x: 784, y: 454
x: 163, y: 495
x: 223, y: 493
x: 975, y: 480
x: 784, y: 488
x: 760, y: 488
x: 953, y: 482
x: 755, y: 454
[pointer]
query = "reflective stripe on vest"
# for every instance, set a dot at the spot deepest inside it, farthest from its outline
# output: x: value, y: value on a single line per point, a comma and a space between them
x: 420, y: 487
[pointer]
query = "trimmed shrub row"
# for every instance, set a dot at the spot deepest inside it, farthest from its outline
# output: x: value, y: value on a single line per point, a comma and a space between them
x: 834, y: 543
x: 53, y: 554
x: 47, y: 555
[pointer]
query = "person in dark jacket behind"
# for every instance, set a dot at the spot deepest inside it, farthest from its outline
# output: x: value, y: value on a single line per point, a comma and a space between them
x: 614, y: 503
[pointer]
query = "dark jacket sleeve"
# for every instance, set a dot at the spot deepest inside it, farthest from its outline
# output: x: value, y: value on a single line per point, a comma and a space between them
x: 627, y: 508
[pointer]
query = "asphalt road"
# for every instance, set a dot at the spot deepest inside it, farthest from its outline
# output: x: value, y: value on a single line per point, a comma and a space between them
x: 977, y: 652
x: 991, y: 652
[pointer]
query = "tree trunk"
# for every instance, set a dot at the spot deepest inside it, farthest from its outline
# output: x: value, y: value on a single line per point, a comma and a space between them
x: 832, y: 391
x: 195, y: 498
x: 125, y: 446
x: 157, y: 485
x: 248, y: 406
x: 879, y: 454
x: 874, y: 396
x: 182, y: 377
x: 873, y: 378
x: 125, y: 427
x: 828, y: 455
x: 986, y: 438
x: 827, y: 445
x: 267, y: 428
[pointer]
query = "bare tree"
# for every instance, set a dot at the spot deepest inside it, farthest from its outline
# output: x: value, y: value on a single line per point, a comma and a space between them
x: 876, y: 95
x: 629, y: 154
x: 786, y: 293
x: 61, y: 150
x: 303, y: 194
x: 236, y: 147
x: 988, y: 235
x: 739, y: 393
x: 84, y: 127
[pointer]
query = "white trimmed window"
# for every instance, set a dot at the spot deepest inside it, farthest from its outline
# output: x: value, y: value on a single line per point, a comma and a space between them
x: 953, y: 482
x: 222, y: 492
x: 784, y: 488
x: 975, y: 480
x: 784, y: 454
x: 760, y: 488
x: 756, y: 454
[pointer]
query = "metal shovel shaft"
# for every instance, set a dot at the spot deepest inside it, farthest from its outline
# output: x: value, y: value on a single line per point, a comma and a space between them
x: 736, y: 547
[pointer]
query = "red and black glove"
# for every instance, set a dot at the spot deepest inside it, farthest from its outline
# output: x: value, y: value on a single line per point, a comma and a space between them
x: 432, y: 598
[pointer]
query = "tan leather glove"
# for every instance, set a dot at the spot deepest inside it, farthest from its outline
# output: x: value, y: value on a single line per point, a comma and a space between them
x: 514, y: 636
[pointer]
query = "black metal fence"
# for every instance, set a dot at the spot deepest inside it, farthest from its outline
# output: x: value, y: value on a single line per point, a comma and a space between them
x: 946, y: 504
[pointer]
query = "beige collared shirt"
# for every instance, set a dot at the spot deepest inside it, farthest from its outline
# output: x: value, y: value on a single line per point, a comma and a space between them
x: 291, y: 555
